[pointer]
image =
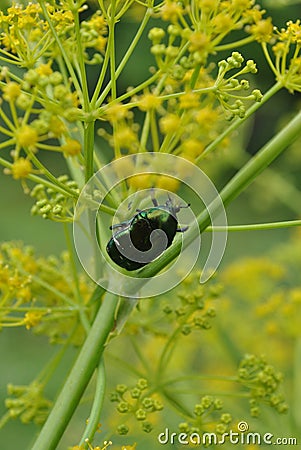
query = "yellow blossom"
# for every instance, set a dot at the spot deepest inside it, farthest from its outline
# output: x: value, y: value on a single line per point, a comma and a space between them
x: 296, y: 295
x: 56, y: 126
x: 21, y: 168
x: 272, y: 328
x: 189, y: 100
x: 166, y: 182
x: 24, y: 294
x: 124, y: 167
x: 142, y: 181
x: 125, y: 137
x: 149, y: 101
x: 32, y: 319
x: 199, y: 41
x: 191, y: 148
x: 44, y: 69
x: 72, y: 147
x: 115, y: 112
x: 262, y: 30
x: 26, y: 136
x: 170, y: 11
x: 280, y: 49
x: 207, y: 118
x: 222, y: 23
x: 100, y: 44
x: 169, y: 123
x: 11, y: 91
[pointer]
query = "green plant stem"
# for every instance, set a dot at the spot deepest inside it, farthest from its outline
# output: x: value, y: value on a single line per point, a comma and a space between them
x: 79, y: 377
x: 80, y: 303
x: 82, y: 67
x: 258, y: 226
x: 123, y: 62
x: 111, y: 46
x: 89, y: 149
x: 236, y: 44
x: 93, y: 422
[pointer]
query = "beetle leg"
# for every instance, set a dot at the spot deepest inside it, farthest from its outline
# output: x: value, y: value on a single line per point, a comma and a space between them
x: 182, y: 229
x: 154, y: 200
x: 123, y: 224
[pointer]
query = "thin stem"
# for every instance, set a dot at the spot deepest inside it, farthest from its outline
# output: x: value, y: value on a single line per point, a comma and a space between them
x: 124, y: 60
x: 111, y: 45
x: 89, y: 150
x: 258, y: 226
x: 231, y: 45
x: 79, y: 377
x: 82, y: 67
x: 93, y: 422
x: 83, y: 317
x: 268, y: 58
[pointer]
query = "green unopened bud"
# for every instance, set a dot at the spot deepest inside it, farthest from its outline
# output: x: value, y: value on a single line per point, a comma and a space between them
x: 156, y: 35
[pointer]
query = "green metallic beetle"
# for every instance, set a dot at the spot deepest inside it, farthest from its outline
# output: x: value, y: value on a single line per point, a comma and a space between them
x: 143, y: 238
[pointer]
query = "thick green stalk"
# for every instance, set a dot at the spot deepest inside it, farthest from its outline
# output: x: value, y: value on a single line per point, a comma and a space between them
x: 79, y: 377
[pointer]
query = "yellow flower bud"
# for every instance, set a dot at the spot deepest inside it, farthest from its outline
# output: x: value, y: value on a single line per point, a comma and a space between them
x: 11, y: 91
x: 169, y: 123
x: 26, y: 136
x: 71, y: 148
x: 21, y: 168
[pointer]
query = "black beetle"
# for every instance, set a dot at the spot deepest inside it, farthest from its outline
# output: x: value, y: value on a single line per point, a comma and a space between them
x: 143, y: 238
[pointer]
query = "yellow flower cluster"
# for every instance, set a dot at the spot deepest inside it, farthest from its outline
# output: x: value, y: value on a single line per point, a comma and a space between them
x: 287, y: 69
x: 27, y: 35
x: 38, y: 289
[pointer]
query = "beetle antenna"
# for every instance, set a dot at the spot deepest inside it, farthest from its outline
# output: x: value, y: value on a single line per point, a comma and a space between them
x: 154, y: 200
x: 185, y: 206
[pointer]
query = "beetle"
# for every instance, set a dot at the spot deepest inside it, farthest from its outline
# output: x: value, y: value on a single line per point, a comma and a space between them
x: 145, y: 236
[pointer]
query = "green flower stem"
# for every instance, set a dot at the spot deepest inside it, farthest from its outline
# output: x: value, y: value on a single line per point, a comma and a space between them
x: 237, y: 123
x: 258, y: 226
x: 111, y: 47
x: 123, y: 62
x: 80, y: 302
x: 82, y: 68
x: 79, y: 377
x: 93, y: 423
x: 89, y: 149
x: 231, y: 45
